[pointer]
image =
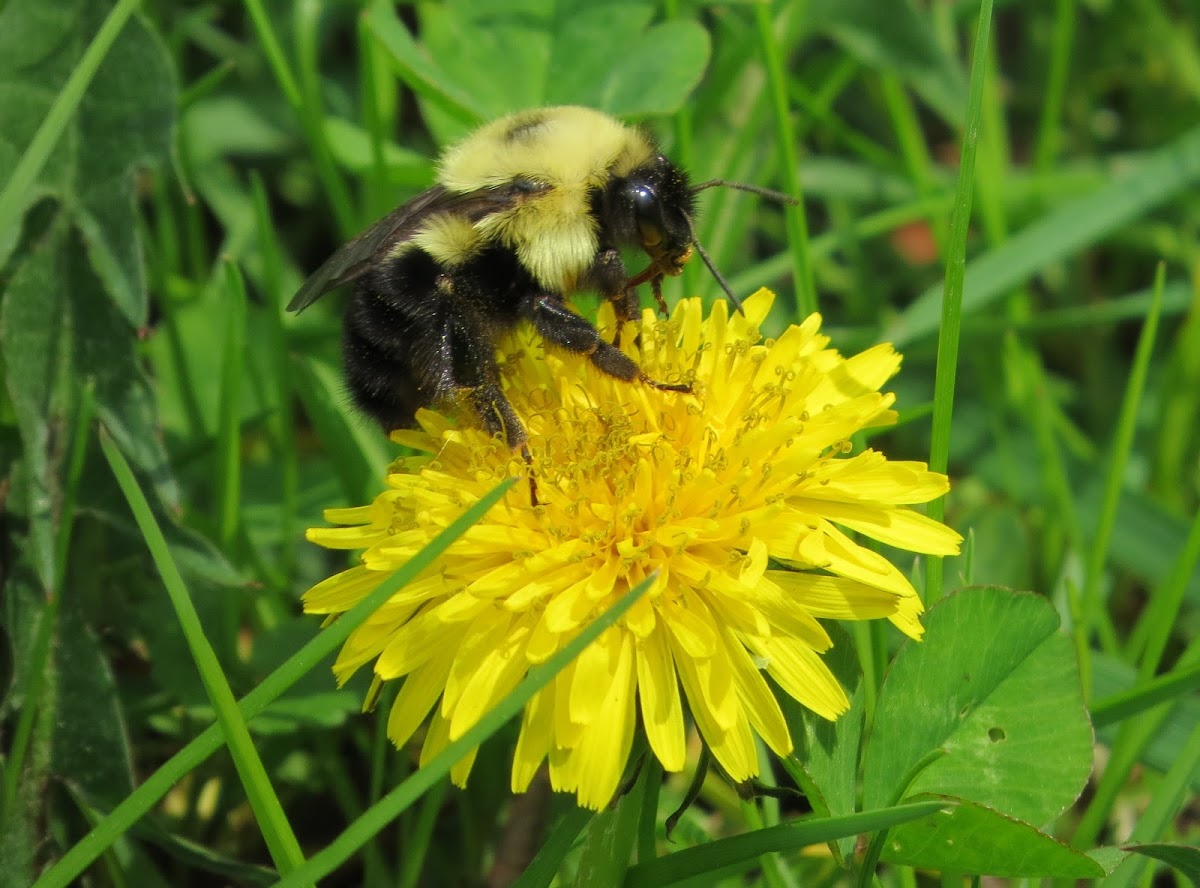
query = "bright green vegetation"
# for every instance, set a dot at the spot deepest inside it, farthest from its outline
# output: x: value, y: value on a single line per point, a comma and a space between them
x: 169, y: 172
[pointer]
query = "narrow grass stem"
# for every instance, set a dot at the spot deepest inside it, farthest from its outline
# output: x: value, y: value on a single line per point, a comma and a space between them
x: 62, y: 110
x: 1122, y: 444
x: 277, y: 831
x: 952, y: 297
x: 797, y: 224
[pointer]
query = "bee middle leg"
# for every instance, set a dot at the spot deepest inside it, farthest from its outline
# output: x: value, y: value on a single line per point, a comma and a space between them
x: 560, y: 326
x: 475, y: 375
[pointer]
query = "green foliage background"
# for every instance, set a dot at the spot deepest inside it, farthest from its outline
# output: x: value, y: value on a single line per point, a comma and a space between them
x: 170, y: 173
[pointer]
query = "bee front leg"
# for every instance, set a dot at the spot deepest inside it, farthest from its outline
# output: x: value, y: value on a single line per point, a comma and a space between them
x: 607, y: 275
x: 560, y: 326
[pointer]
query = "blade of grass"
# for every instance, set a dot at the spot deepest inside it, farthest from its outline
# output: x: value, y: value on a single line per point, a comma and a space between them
x: 1050, y: 123
x: 647, y: 845
x: 205, y: 85
x: 746, y: 849
x: 1115, y: 476
x: 824, y: 245
x: 1167, y: 601
x: 379, y: 101
x: 307, y: 110
x: 419, y: 839
x: 1135, y: 734
x: 1059, y: 234
x: 413, y: 69
x: 379, y: 815
x: 913, y: 148
x: 956, y: 259
x: 34, y: 157
x: 283, y: 423
x: 608, y: 846
x: 358, y: 453
x: 1162, y: 811
x: 229, y: 421
x: 544, y: 866
x: 797, y: 224
x: 77, y: 858
x: 1174, y: 685
x: 276, y: 830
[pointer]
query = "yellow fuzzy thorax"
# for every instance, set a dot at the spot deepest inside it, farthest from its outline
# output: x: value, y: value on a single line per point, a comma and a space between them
x: 571, y: 149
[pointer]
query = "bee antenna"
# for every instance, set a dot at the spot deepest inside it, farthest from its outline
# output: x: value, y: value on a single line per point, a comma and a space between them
x: 753, y: 189
x: 712, y: 267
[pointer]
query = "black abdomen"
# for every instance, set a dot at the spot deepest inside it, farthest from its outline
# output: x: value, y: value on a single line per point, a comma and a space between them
x: 393, y: 344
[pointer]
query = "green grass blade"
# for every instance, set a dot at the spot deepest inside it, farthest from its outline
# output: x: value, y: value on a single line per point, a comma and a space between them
x: 308, y: 110
x: 34, y: 158
x: 797, y: 224
x: 229, y: 421
x: 109, y: 830
x: 956, y: 257
x: 283, y: 423
x: 1164, y: 808
x: 399, y: 799
x: 745, y: 850
x: 272, y: 821
x: 1174, y: 685
x: 1050, y: 124
x: 1166, y: 602
x: 406, y: 58
x: 544, y: 866
x: 1161, y: 176
x: 1122, y: 444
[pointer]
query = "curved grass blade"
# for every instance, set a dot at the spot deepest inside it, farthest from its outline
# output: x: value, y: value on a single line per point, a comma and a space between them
x: 746, y: 849
x: 1163, y: 175
x: 268, y: 811
x: 60, y: 113
x: 112, y: 827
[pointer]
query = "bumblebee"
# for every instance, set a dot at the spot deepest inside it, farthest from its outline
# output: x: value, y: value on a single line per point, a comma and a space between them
x: 527, y: 211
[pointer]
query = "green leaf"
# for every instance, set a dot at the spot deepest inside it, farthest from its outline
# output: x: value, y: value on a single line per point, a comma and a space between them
x: 1185, y: 859
x: 124, y: 121
x: 995, y: 688
x: 351, y: 145
x: 976, y: 840
x: 539, y: 53
x: 654, y: 73
x: 90, y: 748
x: 104, y: 350
x: 32, y: 341
x: 896, y: 37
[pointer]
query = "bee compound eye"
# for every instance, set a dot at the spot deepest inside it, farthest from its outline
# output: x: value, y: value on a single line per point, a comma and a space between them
x: 644, y: 199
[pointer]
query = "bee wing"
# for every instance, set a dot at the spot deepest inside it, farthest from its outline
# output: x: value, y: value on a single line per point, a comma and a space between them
x: 401, y: 224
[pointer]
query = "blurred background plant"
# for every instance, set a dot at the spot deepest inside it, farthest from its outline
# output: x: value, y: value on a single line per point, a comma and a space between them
x: 170, y: 174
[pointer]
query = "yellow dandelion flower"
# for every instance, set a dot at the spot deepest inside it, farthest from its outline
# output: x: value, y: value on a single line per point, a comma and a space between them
x: 712, y: 492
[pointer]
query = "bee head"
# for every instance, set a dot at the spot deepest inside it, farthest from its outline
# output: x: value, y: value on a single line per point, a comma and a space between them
x: 661, y: 203
x: 651, y: 208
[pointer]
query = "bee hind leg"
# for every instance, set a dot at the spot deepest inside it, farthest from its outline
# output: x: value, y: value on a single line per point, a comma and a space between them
x: 497, y: 417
